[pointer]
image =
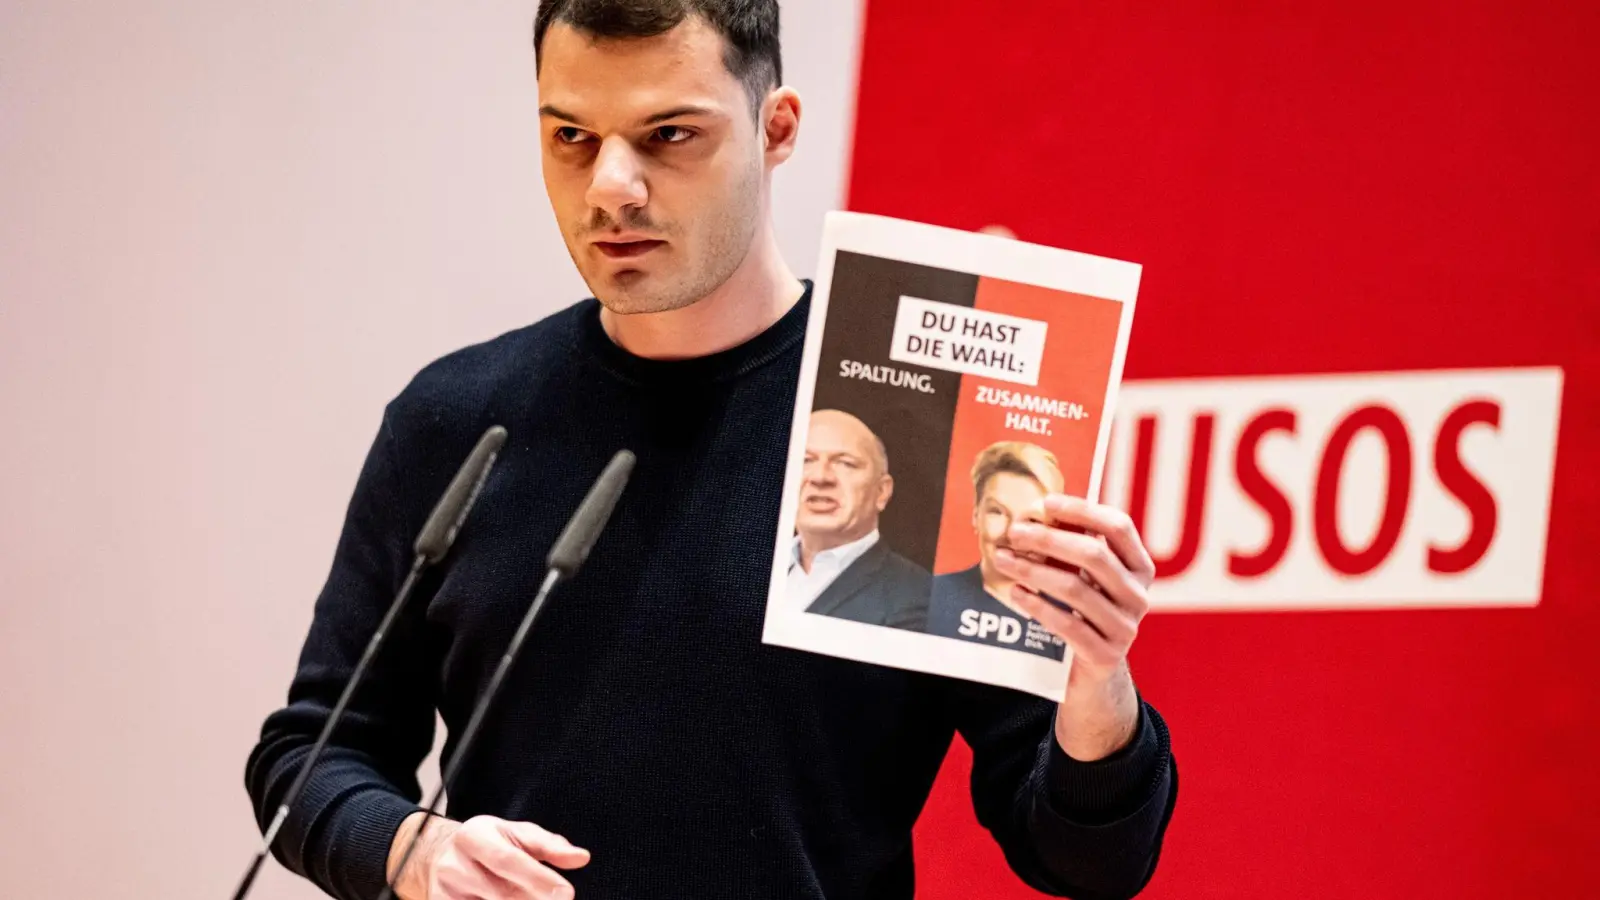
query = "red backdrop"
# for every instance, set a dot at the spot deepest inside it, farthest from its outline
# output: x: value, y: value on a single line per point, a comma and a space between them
x: 1311, y: 187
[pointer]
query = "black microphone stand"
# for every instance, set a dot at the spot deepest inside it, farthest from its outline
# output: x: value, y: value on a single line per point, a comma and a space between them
x: 568, y: 554
x: 433, y: 542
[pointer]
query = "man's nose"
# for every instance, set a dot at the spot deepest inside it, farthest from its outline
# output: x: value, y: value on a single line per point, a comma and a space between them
x: 820, y: 475
x: 618, y: 181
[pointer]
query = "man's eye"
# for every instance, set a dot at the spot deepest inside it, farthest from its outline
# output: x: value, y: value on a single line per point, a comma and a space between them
x: 569, y: 135
x: 673, y: 134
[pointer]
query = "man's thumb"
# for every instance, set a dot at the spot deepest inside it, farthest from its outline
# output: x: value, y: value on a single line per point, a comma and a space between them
x: 545, y: 845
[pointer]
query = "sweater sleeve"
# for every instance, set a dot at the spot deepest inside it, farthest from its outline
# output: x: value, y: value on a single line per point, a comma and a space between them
x: 1089, y: 831
x: 338, y: 832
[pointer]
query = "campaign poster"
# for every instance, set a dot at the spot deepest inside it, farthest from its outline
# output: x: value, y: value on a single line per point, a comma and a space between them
x: 950, y: 380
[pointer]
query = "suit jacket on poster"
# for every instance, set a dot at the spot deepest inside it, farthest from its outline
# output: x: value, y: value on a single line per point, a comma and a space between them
x: 880, y: 588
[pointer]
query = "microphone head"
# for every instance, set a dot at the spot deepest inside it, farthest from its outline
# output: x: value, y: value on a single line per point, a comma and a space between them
x: 451, y: 511
x: 581, y: 533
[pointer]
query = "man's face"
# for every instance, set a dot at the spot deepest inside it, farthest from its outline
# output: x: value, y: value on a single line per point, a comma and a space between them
x: 844, y: 487
x: 1007, y: 498
x: 654, y: 165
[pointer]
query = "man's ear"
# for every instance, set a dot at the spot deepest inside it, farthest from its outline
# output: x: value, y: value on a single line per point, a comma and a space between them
x: 780, y: 124
x: 885, y: 491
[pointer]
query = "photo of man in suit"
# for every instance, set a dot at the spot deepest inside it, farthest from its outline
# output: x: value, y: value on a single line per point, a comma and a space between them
x: 1009, y: 483
x: 840, y: 566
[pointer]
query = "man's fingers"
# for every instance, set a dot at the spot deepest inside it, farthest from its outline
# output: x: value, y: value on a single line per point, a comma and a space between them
x: 493, y: 859
x: 545, y: 845
x: 471, y: 879
x: 1112, y: 524
x: 1115, y: 624
x: 541, y: 883
x: 520, y: 872
x: 1087, y: 553
x: 1087, y: 643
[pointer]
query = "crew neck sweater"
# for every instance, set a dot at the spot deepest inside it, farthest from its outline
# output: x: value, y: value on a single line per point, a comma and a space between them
x: 645, y: 720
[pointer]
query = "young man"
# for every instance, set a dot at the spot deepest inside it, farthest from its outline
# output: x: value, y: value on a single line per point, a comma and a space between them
x: 648, y: 745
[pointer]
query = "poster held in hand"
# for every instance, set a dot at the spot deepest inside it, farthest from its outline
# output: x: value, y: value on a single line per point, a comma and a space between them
x: 949, y: 381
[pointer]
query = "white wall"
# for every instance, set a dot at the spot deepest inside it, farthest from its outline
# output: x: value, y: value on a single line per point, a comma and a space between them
x: 230, y: 232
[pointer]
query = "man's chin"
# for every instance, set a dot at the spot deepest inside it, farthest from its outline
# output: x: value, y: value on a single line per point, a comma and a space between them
x: 815, y: 536
x: 628, y: 296
x: 624, y: 294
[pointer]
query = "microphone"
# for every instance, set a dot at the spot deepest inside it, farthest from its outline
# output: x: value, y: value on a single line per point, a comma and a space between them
x: 567, y: 555
x: 432, y: 544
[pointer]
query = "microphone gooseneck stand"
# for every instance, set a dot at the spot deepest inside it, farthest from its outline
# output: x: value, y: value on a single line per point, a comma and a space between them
x: 432, y: 544
x: 568, y: 554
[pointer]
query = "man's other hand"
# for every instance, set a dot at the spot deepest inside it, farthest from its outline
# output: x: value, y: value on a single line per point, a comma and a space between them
x: 484, y: 858
x: 1083, y: 572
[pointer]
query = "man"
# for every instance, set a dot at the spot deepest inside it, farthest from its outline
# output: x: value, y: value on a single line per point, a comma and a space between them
x: 841, y: 567
x: 1010, y: 481
x: 647, y: 744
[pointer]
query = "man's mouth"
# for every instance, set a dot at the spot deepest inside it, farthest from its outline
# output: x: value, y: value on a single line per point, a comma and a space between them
x: 821, y: 504
x: 627, y: 249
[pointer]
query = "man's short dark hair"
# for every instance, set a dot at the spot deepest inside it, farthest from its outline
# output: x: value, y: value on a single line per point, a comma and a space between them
x: 748, y: 27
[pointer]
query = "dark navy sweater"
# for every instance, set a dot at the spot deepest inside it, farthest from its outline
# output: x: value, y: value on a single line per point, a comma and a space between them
x: 645, y: 719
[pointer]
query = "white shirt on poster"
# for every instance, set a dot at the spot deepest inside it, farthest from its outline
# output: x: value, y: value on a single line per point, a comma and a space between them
x: 803, y: 587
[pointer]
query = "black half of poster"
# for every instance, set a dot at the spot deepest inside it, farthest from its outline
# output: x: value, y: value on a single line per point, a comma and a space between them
x: 910, y: 408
